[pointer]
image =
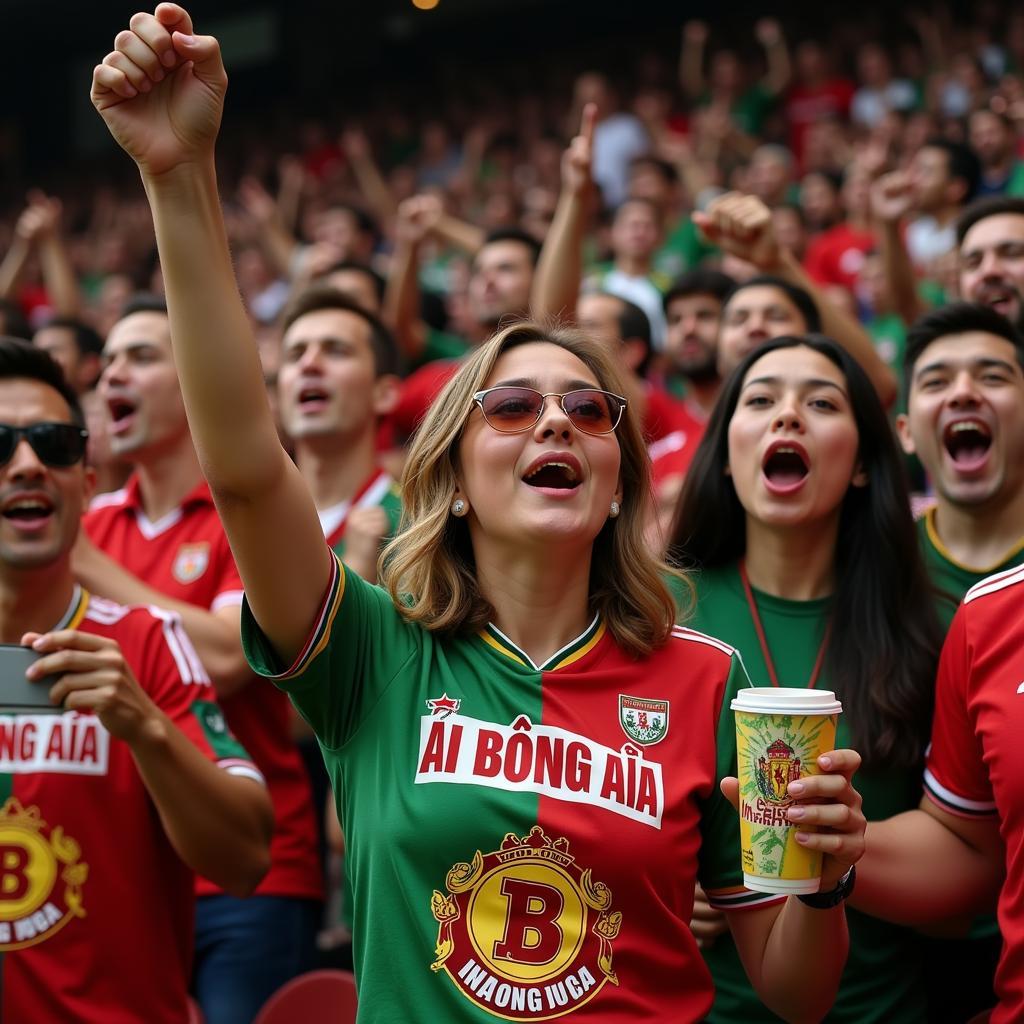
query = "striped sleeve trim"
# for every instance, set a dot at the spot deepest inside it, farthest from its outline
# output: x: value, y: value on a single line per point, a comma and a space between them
x: 685, y: 633
x: 993, y: 584
x: 954, y: 803
x: 246, y: 769
x: 227, y: 599
x: 321, y: 631
x: 742, y: 899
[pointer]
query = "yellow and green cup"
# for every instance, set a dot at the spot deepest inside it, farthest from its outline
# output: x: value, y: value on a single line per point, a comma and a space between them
x: 780, y: 734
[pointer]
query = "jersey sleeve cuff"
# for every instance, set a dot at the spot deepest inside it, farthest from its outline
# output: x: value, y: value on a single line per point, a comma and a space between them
x: 237, y: 766
x: 953, y: 802
x: 227, y: 599
x: 742, y: 898
x: 260, y: 654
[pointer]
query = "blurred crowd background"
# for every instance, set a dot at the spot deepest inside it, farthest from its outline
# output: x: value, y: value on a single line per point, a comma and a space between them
x: 337, y: 118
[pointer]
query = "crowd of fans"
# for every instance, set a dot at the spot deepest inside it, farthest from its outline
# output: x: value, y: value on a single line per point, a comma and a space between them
x: 684, y: 218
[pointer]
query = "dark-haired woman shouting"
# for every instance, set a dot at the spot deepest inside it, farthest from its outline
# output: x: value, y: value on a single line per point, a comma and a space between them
x: 796, y: 518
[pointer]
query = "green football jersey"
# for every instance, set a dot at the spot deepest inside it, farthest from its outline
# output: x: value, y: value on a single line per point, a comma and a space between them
x: 882, y: 980
x: 523, y: 839
x: 951, y: 577
x: 381, y: 490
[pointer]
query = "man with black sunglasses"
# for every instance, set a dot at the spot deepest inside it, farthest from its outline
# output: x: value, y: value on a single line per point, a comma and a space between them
x: 159, y: 541
x: 109, y: 806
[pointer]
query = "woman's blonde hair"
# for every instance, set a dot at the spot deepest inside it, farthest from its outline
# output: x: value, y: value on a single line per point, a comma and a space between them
x: 428, y: 568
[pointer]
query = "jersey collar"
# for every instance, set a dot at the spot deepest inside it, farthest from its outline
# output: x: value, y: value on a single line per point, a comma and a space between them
x: 75, y: 610
x: 568, y: 655
x: 936, y: 542
x: 199, y: 495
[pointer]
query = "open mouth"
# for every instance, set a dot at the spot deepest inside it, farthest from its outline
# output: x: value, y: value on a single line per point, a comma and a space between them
x: 312, y: 398
x: 999, y: 297
x: 27, y: 513
x: 559, y: 476
x: 968, y: 443
x: 785, y: 467
x: 122, y: 412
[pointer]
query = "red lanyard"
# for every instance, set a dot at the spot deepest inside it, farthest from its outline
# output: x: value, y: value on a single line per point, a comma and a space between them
x: 763, y: 639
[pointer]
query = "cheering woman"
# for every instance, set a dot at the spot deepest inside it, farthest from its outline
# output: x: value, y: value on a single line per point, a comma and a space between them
x: 796, y: 516
x: 525, y: 751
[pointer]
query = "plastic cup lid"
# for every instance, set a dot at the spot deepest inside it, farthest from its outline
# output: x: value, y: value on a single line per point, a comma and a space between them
x: 784, y: 700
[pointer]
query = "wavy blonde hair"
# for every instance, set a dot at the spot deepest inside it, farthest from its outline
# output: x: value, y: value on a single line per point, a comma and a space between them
x: 429, y: 568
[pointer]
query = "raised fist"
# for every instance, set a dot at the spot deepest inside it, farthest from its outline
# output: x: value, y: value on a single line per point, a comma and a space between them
x: 364, y: 533
x: 892, y: 197
x: 417, y: 217
x: 161, y: 90
x: 768, y: 32
x: 695, y: 33
x: 39, y: 219
x: 741, y: 225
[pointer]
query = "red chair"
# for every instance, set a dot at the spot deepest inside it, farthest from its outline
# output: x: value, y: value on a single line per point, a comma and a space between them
x: 319, y: 997
x: 195, y: 1015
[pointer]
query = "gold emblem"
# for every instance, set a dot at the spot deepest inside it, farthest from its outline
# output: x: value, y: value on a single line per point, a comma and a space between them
x: 523, y: 931
x: 41, y: 877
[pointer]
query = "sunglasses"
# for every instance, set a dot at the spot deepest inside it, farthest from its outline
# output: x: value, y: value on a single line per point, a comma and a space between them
x: 56, y: 444
x: 512, y: 409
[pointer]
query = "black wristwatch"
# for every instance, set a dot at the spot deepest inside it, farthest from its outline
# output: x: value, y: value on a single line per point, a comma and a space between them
x: 832, y: 898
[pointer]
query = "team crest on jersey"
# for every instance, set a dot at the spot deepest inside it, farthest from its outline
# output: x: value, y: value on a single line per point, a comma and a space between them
x: 190, y: 562
x: 524, y: 932
x: 41, y: 877
x: 643, y: 721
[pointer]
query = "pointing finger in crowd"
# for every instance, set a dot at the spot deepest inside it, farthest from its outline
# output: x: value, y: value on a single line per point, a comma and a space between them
x: 587, y: 122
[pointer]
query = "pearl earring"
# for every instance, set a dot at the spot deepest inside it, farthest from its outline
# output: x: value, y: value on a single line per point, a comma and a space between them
x: 614, y: 510
x: 458, y: 507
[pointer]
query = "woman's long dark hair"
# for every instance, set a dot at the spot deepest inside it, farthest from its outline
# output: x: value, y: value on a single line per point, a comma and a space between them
x: 885, y: 640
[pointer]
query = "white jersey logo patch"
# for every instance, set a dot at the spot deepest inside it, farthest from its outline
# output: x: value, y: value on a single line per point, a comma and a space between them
x: 190, y: 562
x: 529, y: 758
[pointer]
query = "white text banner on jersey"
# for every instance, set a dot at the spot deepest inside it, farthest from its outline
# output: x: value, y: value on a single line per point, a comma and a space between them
x: 70, y: 743
x: 529, y: 758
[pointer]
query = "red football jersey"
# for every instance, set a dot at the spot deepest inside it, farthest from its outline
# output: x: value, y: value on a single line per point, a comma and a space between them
x: 95, y: 905
x: 975, y: 765
x: 186, y: 556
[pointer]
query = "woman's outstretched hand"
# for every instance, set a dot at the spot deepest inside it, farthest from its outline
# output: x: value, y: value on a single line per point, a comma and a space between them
x: 161, y: 90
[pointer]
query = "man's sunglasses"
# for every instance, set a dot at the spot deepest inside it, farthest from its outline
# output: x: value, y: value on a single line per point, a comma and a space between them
x: 513, y: 409
x: 56, y: 444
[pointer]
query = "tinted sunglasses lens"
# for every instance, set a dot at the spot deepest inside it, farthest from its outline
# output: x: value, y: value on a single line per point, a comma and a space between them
x: 56, y: 444
x: 9, y: 438
x: 593, y: 412
x: 511, y: 409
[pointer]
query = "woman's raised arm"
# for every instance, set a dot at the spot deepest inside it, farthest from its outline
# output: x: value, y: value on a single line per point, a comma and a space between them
x: 161, y: 93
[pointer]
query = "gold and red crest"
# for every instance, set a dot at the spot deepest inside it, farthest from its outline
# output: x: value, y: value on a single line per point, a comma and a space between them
x: 190, y: 562
x: 41, y: 877
x: 524, y: 932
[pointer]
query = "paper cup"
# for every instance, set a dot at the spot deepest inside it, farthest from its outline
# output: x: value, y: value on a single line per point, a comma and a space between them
x: 780, y: 733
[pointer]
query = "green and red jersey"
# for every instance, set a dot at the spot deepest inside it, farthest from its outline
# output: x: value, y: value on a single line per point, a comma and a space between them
x: 96, y: 906
x: 882, y: 980
x: 186, y: 556
x: 379, y: 490
x: 523, y: 839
